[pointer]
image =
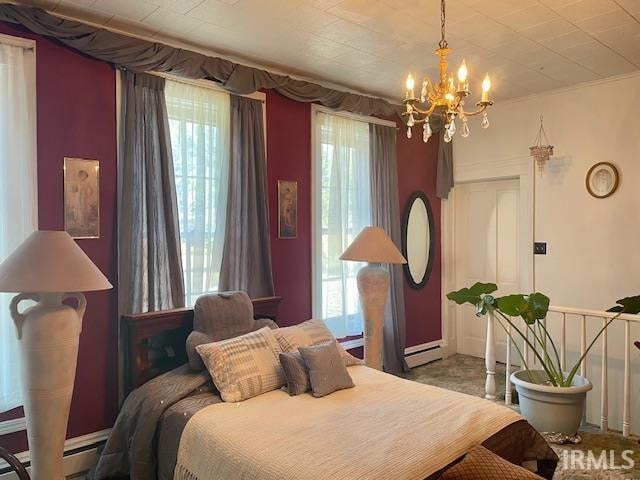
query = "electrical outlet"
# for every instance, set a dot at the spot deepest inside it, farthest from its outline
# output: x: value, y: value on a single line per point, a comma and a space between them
x: 540, y: 248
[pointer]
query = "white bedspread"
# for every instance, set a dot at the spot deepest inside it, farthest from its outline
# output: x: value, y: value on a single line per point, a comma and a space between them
x: 384, y: 428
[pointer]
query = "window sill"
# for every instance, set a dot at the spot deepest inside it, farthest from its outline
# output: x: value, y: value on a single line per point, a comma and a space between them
x: 351, y: 344
x: 12, y: 426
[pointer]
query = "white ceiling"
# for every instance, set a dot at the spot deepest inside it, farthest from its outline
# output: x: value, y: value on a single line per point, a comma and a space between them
x: 527, y: 46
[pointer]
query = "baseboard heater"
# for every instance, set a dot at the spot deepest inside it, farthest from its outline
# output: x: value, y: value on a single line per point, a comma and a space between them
x: 416, y: 356
x: 80, y: 455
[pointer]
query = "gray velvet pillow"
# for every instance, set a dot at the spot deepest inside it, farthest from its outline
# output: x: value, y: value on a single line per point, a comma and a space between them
x: 295, y: 372
x: 327, y: 372
x: 218, y: 317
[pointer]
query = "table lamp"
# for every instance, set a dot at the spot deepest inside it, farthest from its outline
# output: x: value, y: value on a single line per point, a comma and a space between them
x: 48, y: 268
x: 374, y: 246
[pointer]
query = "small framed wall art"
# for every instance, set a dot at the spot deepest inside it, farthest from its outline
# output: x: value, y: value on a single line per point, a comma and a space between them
x: 82, y: 197
x: 602, y: 180
x: 287, y: 209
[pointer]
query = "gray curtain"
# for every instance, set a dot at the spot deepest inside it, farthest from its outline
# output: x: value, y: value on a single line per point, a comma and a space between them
x: 444, y: 168
x: 385, y: 210
x: 149, y: 261
x: 246, y: 255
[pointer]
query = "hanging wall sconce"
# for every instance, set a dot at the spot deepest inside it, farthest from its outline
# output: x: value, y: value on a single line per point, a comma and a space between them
x: 541, y: 151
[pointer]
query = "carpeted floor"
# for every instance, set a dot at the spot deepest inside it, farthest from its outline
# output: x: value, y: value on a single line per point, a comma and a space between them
x: 466, y: 374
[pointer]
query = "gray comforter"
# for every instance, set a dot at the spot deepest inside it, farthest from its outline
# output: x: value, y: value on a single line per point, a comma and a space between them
x: 142, y: 446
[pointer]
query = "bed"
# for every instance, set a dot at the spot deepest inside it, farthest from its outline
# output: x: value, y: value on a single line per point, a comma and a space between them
x: 174, y: 425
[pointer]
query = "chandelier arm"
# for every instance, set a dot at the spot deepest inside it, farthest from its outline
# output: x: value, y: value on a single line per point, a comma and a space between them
x: 427, y: 112
x: 482, y: 108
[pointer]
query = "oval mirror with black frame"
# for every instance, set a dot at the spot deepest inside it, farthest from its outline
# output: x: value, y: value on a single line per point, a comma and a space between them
x: 418, y: 240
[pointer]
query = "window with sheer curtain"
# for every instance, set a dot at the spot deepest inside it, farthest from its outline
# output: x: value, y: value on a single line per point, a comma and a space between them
x: 342, y: 209
x: 199, y: 126
x: 18, y: 189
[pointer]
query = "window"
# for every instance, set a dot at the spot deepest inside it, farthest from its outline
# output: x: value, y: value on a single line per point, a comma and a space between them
x: 18, y: 188
x: 199, y: 127
x: 342, y: 201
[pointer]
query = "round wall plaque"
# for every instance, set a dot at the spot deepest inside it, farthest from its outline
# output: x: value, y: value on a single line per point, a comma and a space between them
x: 602, y: 180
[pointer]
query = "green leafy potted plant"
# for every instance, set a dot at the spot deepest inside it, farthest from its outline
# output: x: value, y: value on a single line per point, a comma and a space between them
x: 551, y: 399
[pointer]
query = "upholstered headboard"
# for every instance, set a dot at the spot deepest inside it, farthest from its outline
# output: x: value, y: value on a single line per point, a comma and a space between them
x: 155, y: 341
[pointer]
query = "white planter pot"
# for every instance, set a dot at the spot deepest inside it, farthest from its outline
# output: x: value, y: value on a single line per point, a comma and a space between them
x: 551, y: 409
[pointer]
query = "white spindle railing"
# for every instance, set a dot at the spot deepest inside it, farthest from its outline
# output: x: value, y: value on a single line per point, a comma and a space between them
x: 583, y: 314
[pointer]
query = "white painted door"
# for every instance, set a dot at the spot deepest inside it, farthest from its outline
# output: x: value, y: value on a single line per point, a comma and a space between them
x: 487, y: 233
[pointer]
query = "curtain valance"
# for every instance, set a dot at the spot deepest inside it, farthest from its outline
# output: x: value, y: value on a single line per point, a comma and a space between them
x: 140, y: 56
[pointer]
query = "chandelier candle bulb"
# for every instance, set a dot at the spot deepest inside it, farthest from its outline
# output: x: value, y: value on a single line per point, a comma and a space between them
x: 486, y: 86
x: 410, y: 86
x: 462, y: 76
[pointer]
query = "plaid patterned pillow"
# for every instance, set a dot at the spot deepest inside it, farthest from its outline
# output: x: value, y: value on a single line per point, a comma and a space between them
x: 245, y: 366
x: 311, y: 332
x: 482, y: 464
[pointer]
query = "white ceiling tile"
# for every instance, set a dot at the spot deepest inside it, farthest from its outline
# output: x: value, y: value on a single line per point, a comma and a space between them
x: 74, y: 10
x: 631, y: 6
x: 167, y: 20
x: 526, y: 18
x: 126, y: 25
x: 607, y: 64
x: 125, y: 8
x: 550, y: 29
x: 583, y: 9
x: 177, y: 6
x: 219, y: 13
x: 606, y: 21
x: 308, y: 18
x: 341, y: 31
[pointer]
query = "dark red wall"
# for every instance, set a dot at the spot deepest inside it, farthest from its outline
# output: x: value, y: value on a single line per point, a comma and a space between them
x: 76, y: 117
x: 417, y: 171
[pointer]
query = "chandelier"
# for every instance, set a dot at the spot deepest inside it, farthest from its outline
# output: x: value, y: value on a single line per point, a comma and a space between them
x: 446, y: 98
x: 541, y: 150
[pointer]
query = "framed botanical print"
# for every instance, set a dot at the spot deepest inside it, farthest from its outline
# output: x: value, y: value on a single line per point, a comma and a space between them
x: 287, y: 209
x: 82, y: 197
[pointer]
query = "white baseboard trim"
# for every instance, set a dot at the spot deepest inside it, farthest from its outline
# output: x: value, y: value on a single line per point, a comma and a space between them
x: 12, y: 426
x: 424, y: 353
x: 74, y: 463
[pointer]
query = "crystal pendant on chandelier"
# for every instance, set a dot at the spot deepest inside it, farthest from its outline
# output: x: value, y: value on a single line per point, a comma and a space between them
x: 445, y: 97
x: 426, y: 131
x: 452, y: 127
x: 408, y: 132
x: 485, y: 121
x: 465, y: 129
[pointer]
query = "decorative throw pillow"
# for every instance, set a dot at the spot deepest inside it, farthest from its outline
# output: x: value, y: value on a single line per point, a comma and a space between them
x: 245, y: 366
x: 311, y: 332
x: 327, y: 372
x: 295, y: 372
x: 483, y: 464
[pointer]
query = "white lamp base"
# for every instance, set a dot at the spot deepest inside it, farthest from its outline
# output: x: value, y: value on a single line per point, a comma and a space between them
x: 49, y: 333
x: 373, y: 285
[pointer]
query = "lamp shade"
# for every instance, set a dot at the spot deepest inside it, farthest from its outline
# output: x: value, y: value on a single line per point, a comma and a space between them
x: 373, y: 245
x: 50, y: 262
